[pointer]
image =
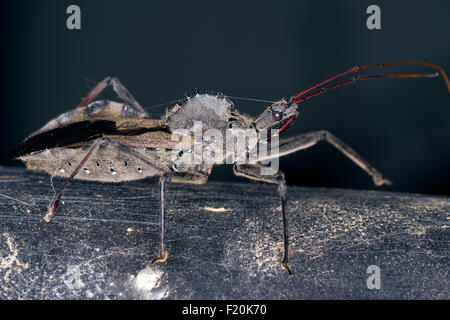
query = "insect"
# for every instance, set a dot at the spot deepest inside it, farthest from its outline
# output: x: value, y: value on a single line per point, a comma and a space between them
x: 109, y: 141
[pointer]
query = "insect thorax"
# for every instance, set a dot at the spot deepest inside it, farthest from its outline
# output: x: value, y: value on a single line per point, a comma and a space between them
x: 207, y: 114
x: 213, y: 111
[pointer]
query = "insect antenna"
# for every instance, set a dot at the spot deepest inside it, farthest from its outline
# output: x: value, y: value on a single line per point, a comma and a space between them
x: 302, y: 95
x: 297, y: 97
x: 367, y: 77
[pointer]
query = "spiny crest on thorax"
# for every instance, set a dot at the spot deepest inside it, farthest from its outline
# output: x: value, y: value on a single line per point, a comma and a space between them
x: 213, y: 111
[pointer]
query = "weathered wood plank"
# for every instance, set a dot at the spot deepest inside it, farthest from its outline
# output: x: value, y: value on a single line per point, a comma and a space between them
x: 224, y: 242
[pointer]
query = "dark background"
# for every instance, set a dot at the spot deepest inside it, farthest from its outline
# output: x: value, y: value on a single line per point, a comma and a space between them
x: 265, y: 50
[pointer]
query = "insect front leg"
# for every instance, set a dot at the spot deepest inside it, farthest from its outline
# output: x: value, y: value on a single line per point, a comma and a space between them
x: 307, y: 140
x: 255, y: 172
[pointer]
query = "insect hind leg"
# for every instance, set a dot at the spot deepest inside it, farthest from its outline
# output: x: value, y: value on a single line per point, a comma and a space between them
x: 57, y: 198
x: 119, y: 89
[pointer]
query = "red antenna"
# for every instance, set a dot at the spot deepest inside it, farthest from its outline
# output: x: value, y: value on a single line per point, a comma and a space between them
x: 300, y: 96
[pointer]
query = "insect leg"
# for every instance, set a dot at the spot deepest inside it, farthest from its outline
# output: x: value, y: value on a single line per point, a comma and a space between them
x: 94, y: 92
x: 118, y: 88
x: 125, y: 95
x: 189, y: 177
x: 178, y: 177
x: 157, y: 167
x: 162, y: 254
x: 306, y: 140
x: 57, y: 198
x: 254, y: 172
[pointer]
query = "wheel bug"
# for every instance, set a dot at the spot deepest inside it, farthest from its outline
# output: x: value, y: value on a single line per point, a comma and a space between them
x: 110, y: 141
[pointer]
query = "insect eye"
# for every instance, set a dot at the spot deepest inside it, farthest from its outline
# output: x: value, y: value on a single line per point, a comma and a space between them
x: 277, y: 115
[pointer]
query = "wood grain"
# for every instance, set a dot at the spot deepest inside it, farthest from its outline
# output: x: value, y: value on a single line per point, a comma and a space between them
x: 224, y: 242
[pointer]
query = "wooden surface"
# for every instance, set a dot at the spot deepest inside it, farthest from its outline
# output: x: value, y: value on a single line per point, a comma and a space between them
x: 224, y: 242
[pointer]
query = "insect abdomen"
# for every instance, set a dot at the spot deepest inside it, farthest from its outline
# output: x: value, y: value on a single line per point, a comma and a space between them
x: 100, y: 167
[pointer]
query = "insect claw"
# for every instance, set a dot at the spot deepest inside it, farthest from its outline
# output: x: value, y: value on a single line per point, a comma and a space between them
x: 49, y: 214
x: 284, y: 266
x: 51, y: 211
x: 159, y: 258
x: 379, y: 181
x: 285, y: 261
